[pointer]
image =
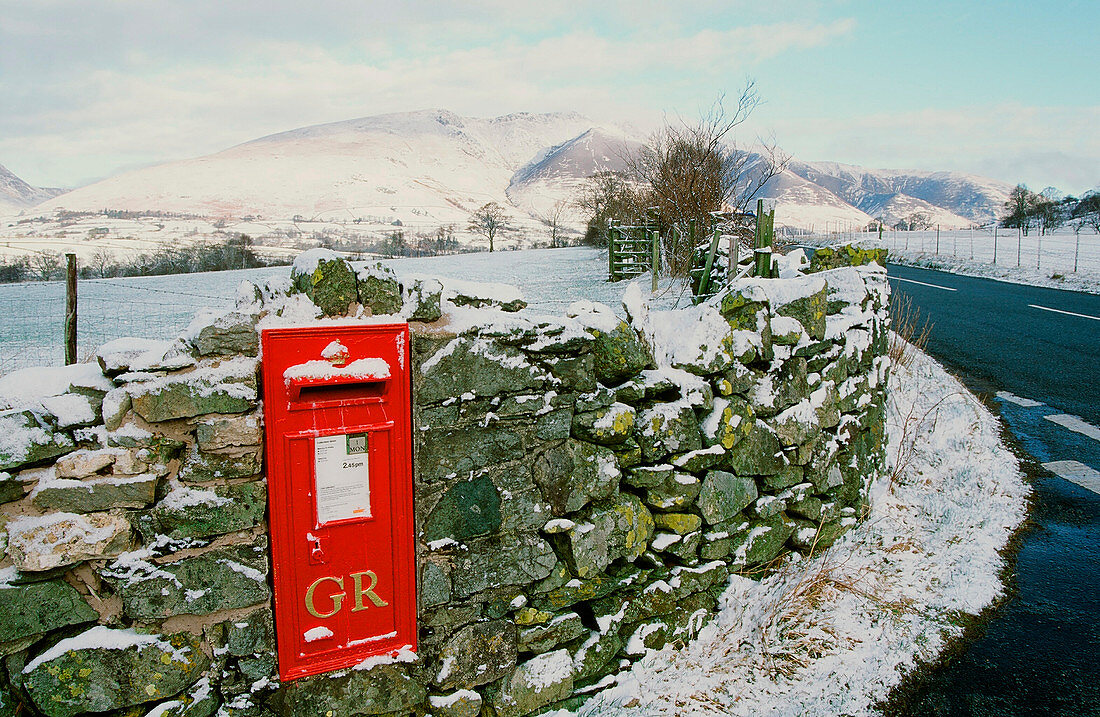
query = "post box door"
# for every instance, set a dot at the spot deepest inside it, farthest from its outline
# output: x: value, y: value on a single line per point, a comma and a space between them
x: 337, y: 404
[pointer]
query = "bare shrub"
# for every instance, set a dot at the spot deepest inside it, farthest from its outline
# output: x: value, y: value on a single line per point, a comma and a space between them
x: 908, y: 335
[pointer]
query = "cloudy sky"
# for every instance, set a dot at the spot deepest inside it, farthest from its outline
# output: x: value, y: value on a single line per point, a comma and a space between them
x: 89, y: 88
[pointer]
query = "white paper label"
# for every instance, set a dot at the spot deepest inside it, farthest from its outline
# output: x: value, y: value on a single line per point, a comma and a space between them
x: 343, y: 477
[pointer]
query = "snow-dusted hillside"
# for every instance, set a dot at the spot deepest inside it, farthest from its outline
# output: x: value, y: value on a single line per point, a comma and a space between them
x: 421, y: 168
x: 956, y: 200
x: 432, y: 168
x: 801, y: 204
x: 554, y: 179
x: 15, y: 194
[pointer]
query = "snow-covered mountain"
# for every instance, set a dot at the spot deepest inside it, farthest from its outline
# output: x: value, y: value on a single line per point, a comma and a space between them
x: 422, y: 168
x: 801, y: 203
x: 429, y: 168
x: 15, y: 194
x: 553, y: 179
x: 950, y: 198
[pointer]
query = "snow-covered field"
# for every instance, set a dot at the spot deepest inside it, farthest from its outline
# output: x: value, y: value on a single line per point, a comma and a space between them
x: 87, y: 235
x: 32, y: 314
x: 1062, y: 260
x: 832, y: 633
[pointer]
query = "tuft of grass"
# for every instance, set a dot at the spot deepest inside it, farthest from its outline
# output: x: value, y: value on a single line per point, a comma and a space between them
x: 907, y: 334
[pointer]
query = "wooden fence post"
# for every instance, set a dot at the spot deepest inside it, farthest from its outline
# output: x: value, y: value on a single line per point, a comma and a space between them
x: 70, y: 309
x: 655, y: 256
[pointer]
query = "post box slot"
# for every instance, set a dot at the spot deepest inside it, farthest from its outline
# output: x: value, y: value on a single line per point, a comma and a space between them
x: 305, y: 394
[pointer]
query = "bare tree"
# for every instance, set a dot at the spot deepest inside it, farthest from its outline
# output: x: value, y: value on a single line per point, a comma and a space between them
x: 1087, y: 211
x: 553, y: 221
x: 45, y: 265
x: 102, y: 263
x: 689, y: 171
x: 488, y: 221
x: 608, y: 195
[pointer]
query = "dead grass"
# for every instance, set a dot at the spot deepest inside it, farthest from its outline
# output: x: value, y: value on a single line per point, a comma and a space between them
x: 908, y: 334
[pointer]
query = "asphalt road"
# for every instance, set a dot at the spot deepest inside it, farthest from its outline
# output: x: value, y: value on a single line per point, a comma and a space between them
x: 1035, y: 354
x: 993, y: 331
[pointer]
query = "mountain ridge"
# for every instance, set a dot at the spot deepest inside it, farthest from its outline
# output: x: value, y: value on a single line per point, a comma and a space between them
x: 434, y: 167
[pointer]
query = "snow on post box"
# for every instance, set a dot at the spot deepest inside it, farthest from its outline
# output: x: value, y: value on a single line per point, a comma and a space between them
x: 339, y: 424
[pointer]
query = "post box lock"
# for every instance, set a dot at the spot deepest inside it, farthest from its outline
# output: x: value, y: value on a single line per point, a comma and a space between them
x: 316, y: 555
x: 337, y: 405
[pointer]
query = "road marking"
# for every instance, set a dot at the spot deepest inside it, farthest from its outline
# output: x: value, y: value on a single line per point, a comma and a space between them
x: 1075, y: 424
x: 1019, y: 401
x: 1075, y: 472
x: 1067, y: 313
x: 914, y: 281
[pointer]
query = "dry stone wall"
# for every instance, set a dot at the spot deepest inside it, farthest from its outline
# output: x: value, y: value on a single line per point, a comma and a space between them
x: 584, y: 487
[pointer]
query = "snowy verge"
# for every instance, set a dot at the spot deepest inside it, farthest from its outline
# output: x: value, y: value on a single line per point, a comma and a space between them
x: 833, y: 633
x: 1084, y: 280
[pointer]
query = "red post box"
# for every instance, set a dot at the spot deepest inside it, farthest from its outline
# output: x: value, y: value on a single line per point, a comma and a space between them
x: 339, y: 453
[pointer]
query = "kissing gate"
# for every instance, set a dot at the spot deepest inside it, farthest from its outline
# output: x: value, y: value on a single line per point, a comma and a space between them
x: 339, y: 423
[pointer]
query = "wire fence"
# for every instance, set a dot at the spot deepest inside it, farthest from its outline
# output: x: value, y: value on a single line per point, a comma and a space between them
x: 1063, y: 252
x: 32, y: 314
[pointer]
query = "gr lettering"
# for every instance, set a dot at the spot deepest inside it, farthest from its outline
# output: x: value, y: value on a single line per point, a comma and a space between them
x: 337, y: 598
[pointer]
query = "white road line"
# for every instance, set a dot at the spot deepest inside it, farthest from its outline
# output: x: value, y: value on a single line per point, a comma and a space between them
x: 1067, y: 313
x: 1075, y: 472
x: 1075, y: 424
x: 914, y: 281
x: 1018, y: 400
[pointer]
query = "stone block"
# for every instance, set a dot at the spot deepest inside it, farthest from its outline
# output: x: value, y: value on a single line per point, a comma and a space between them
x: 227, y: 388
x: 621, y: 528
x: 477, y: 366
x: 104, y: 669
x: 560, y: 629
x: 477, y: 654
x: 573, y: 473
x: 219, y: 432
x: 467, y: 510
x: 26, y: 439
x: 676, y: 493
x: 618, y: 354
x: 202, y: 467
x: 761, y: 542
x: 380, y: 291
x: 194, y: 513
x: 540, y: 681
x: 759, y: 453
x: 445, y: 453
x: 11, y: 488
x: 58, y: 539
x: 606, y: 426
x: 423, y: 295
x: 728, y: 422
x: 384, y: 689
x: 33, y: 609
x: 221, y: 579
x: 667, y: 428
x: 229, y: 333
x: 502, y: 560
x: 723, y: 495
x: 463, y: 703
x: 95, y: 494
x: 327, y: 279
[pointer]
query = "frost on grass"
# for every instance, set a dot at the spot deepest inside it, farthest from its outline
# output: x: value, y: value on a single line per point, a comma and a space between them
x: 832, y: 633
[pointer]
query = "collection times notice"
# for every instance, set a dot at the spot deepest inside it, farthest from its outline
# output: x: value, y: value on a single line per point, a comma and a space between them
x: 342, y: 477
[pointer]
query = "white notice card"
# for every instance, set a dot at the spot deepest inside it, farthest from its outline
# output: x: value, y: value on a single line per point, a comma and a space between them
x: 343, y: 477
